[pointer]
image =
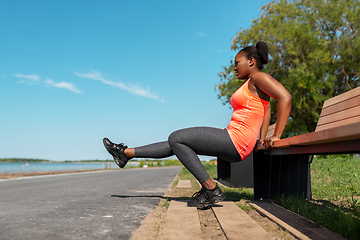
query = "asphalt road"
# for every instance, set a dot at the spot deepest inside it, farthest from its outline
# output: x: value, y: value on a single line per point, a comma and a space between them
x: 91, y: 205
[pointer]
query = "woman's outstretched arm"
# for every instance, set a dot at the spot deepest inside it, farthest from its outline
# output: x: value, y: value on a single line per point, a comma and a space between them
x: 265, y: 125
x: 276, y: 90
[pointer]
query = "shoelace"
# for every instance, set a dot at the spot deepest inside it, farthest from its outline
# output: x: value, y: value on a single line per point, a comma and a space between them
x: 121, y: 145
x: 197, y: 194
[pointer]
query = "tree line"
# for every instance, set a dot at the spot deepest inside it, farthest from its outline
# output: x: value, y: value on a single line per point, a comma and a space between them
x: 22, y: 160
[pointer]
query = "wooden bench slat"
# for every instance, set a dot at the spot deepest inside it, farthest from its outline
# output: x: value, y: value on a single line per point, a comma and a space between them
x: 339, y: 123
x: 339, y: 98
x: 339, y: 118
x: 271, y: 130
x: 341, y: 106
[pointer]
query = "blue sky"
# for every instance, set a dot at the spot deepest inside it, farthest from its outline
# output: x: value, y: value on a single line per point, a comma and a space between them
x: 73, y: 72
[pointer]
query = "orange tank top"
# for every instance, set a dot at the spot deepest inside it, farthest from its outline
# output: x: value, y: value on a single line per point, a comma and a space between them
x: 246, y: 120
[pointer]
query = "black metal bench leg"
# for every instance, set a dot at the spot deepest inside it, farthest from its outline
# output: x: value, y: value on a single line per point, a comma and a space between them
x: 281, y: 175
x: 223, y: 169
x: 242, y: 173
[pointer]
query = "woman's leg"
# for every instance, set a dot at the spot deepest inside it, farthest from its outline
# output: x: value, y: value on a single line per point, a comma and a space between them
x: 155, y: 150
x: 188, y: 143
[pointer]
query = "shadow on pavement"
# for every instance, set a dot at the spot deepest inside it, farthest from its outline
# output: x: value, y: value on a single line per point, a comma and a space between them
x: 152, y: 196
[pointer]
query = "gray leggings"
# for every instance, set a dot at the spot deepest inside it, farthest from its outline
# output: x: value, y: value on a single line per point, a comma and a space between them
x: 187, y: 143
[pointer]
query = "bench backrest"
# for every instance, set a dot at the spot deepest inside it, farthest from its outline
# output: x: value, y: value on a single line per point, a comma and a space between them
x: 271, y: 130
x: 340, y: 110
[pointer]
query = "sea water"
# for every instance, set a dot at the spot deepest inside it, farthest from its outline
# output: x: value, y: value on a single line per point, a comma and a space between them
x: 17, y: 167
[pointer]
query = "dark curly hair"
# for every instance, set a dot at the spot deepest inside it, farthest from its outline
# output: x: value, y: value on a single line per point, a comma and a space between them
x: 258, y: 52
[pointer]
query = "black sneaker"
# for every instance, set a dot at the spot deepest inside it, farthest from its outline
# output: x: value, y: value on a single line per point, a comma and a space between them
x: 117, y: 151
x: 204, y: 198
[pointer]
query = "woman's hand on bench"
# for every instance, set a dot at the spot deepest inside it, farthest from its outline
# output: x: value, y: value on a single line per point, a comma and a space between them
x: 267, y: 143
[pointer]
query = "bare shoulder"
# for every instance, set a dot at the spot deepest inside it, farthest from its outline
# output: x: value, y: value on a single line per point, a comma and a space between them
x: 262, y: 81
x: 261, y: 76
x: 269, y: 85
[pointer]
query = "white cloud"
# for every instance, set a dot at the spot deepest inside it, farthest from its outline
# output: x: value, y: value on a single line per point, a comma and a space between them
x: 28, y: 79
x: 133, y: 89
x: 35, y: 79
x: 65, y: 85
x: 201, y: 34
x: 31, y: 77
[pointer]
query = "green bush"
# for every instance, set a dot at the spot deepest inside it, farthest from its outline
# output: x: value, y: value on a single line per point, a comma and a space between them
x: 142, y: 163
x: 172, y: 162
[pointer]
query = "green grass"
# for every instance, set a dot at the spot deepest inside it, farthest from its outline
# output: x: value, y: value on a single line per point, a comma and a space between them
x: 185, y: 175
x: 336, y: 195
x: 160, y: 163
x: 166, y: 205
x: 335, y: 177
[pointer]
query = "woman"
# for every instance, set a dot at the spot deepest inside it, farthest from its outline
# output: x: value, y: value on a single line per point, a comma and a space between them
x: 251, y: 111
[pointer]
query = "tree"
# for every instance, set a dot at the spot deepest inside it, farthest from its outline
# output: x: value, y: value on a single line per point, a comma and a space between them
x: 314, y: 51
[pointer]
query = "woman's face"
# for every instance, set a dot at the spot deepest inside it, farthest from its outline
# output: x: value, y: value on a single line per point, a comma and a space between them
x: 242, y: 66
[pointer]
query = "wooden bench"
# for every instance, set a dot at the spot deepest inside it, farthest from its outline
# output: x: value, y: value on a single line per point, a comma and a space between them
x: 285, y: 169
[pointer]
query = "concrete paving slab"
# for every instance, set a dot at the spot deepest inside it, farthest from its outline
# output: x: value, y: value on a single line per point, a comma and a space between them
x: 180, y: 222
x: 297, y: 225
x: 237, y: 224
x: 184, y: 184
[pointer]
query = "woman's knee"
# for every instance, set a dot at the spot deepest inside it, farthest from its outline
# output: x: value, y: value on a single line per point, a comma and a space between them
x: 177, y: 137
x: 173, y: 138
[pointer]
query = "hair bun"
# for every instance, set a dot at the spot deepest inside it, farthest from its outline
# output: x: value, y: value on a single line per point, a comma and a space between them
x: 263, y: 51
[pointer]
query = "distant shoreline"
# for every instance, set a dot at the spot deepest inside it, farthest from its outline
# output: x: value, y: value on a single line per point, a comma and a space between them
x: 29, y: 160
x: 28, y: 174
